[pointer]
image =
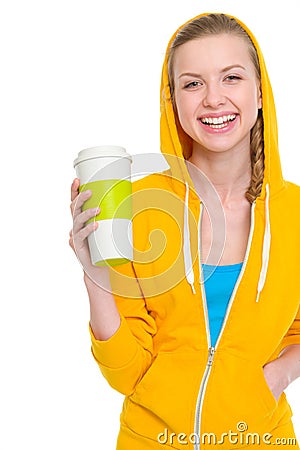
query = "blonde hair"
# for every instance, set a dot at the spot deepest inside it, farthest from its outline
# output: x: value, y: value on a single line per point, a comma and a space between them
x: 216, y: 24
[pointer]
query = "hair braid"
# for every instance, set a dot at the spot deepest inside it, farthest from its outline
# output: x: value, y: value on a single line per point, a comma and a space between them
x: 257, y: 160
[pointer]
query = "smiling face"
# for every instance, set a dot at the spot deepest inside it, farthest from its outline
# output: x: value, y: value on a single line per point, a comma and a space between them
x: 216, y: 92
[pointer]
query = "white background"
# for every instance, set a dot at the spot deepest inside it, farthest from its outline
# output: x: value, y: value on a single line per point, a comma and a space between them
x: 76, y: 74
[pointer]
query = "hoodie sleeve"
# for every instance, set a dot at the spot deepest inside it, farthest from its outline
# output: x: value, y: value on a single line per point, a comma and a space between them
x: 125, y: 357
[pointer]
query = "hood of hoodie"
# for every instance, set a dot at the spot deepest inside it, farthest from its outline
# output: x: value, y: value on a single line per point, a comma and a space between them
x: 173, y: 139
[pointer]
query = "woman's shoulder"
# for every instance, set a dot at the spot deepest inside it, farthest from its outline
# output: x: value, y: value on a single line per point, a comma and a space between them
x: 288, y: 198
x: 153, y: 181
x: 293, y: 186
x: 292, y: 190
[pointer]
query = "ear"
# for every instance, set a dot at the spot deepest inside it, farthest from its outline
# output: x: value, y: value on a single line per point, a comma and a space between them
x: 259, y: 98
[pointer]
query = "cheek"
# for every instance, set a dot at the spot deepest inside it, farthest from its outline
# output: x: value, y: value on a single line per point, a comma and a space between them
x: 180, y: 108
x: 249, y: 102
x: 186, y: 106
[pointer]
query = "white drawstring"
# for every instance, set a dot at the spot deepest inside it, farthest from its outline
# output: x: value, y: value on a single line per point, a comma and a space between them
x: 266, y: 246
x: 188, y: 266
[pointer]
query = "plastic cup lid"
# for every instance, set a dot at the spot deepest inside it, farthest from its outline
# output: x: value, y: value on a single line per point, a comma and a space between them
x: 103, y: 151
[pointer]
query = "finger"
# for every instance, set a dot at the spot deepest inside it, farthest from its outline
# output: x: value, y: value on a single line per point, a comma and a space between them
x: 79, y: 237
x: 71, y: 243
x: 75, y: 188
x: 83, y: 217
x: 78, y: 202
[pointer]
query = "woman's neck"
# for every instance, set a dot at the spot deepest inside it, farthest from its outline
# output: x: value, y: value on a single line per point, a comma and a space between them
x: 228, y: 171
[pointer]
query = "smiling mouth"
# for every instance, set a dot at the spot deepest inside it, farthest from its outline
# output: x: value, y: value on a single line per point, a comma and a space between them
x: 218, y: 122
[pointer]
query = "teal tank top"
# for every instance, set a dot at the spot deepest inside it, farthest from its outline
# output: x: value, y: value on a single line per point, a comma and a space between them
x: 219, y: 282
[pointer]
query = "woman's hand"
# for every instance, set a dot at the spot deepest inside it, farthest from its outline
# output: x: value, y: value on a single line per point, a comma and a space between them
x: 284, y: 370
x: 276, y: 377
x: 80, y: 231
x: 78, y: 238
x: 105, y: 318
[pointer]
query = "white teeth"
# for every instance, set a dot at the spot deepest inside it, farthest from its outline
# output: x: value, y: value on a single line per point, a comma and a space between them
x: 218, y: 120
x: 218, y: 126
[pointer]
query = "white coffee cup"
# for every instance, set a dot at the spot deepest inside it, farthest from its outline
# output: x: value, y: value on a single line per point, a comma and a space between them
x: 106, y: 171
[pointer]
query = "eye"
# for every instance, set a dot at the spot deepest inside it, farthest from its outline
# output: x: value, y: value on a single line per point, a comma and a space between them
x: 232, y: 78
x: 192, y: 85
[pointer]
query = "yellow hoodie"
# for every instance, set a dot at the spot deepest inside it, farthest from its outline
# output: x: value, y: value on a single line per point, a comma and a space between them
x: 179, y: 391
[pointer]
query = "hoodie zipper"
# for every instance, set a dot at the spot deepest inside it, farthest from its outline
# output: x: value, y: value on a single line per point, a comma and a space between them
x: 211, y: 349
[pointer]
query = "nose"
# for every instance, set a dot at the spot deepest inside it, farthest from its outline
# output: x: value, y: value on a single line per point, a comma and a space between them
x: 214, y: 96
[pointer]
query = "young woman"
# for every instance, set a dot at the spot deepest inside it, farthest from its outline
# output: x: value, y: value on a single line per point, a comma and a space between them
x: 203, y: 343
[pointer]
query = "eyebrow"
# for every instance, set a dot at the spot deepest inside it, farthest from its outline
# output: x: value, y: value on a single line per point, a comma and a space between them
x: 197, y: 75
